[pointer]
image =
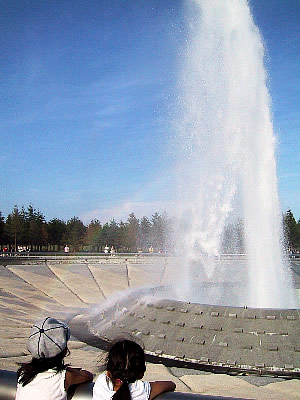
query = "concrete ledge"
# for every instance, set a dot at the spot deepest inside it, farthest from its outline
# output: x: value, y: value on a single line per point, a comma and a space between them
x: 8, y: 382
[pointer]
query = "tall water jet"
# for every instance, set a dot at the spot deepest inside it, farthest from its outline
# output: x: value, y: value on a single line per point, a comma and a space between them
x: 226, y: 160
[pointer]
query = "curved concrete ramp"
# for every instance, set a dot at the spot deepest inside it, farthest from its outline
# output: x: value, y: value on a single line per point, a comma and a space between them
x: 216, y: 338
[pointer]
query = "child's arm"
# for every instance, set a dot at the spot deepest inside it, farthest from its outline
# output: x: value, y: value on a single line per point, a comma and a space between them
x: 160, y: 387
x: 77, y: 375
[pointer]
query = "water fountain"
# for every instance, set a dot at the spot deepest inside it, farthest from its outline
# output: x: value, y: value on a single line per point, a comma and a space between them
x: 226, y: 160
x: 226, y: 163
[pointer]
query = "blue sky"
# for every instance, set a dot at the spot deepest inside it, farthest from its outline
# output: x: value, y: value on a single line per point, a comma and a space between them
x: 87, y: 88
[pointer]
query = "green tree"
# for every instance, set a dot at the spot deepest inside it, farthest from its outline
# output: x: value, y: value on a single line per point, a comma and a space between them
x: 132, y: 233
x: 113, y: 234
x: 104, y: 235
x: 145, y: 234
x: 298, y: 230
x: 158, y: 231
x: 15, y: 227
x: 93, y: 235
x: 291, y: 230
x: 56, y: 229
x: 122, y: 237
x: 75, y: 233
x: 2, y: 230
x: 36, y: 228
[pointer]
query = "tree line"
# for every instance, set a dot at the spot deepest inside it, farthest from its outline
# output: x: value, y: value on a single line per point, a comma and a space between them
x: 233, y: 235
x: 27, y: 227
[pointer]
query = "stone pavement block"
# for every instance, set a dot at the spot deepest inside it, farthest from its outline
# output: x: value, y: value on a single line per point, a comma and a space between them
x: 110, y: 282
x: 88, y: 360
x: 187, y: 371
x: 11, y: 363
x: 9, y: 332
x: 13, y: 302
x: 118, y: 268
x: 143, y: 275
x: 42, y: 278
x: 12, y: 348
x: 10, y: 312
x: 9, y: 321
x: 20, y: 320
x: 289, y: 389
x: 16, y: 286
x: 153, y: 267
x: 168, y: 277
x: 75, y: 344
x: 137, y: 277
x: 259, y: 380
x: 12, y: 318
x: 78, y: 278
x: 229, y: 386
x: 158, y: 372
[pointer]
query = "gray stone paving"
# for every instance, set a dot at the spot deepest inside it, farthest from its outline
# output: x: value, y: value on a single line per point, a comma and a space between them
x: 66, y: 288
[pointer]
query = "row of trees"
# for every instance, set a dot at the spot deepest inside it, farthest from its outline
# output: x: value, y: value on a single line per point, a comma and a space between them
x: 233, y: 235
x: 29, y: 228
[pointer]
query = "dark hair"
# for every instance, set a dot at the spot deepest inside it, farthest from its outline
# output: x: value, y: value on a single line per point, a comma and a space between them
x: 126, y: 362
x: 28, y: 371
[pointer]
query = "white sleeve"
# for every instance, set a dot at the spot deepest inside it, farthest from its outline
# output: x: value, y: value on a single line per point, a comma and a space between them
x: 62, y: 382
x: 147, y: 388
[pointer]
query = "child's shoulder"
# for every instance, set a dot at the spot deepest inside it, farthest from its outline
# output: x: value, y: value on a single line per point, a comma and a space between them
x: 104, y: 381
x: 140, y: 389
x: 49, y: 373
x: 103, y: 388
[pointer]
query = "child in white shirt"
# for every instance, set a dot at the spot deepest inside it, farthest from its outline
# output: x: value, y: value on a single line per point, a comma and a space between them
x: 121, y: 381
x: 46, y: 376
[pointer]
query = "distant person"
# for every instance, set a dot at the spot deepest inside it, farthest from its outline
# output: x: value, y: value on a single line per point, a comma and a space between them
x: 124, y: 369
x: 112, y: 250
x: 106, y: 249
x: 150, y: 250
x: 67, y: 249
x: 46, y: 376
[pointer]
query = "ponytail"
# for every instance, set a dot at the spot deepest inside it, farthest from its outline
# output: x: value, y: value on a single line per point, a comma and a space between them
x: 122, y: 393
x: 126, y: 364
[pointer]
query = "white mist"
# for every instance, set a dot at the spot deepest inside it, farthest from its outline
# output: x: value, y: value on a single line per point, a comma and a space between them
x: 225, y: 155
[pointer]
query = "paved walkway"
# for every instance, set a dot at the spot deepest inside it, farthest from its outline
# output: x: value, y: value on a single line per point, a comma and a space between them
x: 30, y: 292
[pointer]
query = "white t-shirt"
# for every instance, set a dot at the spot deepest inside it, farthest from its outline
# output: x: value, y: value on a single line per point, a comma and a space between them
x: 48, y: 385
x: 103, y: 389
